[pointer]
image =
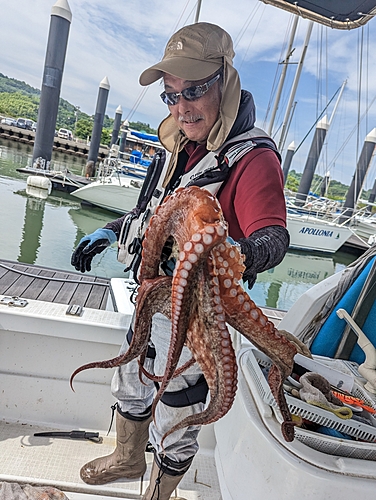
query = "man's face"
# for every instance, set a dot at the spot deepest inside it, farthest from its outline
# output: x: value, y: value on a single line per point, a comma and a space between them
x: 195, y: 118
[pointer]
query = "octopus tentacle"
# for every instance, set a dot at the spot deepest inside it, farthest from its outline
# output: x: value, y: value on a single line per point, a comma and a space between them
x: 178, y: 371
x: 209, y: 340
x: 203, y: 295
x: 243, y: 315
x: 208, y: 231
x: 153, y: 296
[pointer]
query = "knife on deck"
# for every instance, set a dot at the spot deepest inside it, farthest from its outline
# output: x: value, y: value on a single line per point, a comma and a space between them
x: 92, y: 436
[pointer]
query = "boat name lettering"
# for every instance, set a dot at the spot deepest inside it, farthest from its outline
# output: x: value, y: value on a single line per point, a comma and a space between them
x: 316, y: 232
x: 311, y: 275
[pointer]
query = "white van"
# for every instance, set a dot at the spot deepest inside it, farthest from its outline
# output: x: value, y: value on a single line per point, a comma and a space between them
x: 64, y: 133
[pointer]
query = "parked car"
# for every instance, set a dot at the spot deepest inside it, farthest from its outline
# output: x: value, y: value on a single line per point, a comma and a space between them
x: 34, y: 127
x: 8, y: 121
x: 24, y: 123
x: 65, y: 134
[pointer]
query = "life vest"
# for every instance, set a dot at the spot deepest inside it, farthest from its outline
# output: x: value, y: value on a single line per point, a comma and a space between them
x: 210, y: 172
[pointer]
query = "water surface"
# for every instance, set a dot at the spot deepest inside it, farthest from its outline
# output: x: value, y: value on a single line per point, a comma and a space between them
x: 46, y: 231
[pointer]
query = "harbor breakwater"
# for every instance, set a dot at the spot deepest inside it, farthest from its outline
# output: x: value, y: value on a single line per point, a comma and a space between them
x: 73, y: 147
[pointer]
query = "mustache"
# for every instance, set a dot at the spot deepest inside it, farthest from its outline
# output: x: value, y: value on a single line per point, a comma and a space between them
x: 190, y: 118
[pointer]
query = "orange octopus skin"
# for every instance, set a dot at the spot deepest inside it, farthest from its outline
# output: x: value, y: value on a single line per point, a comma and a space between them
x: 204, y: 295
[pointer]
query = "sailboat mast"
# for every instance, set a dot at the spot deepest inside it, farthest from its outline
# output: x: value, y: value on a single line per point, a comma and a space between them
x: 283, y: 74
x: 198, y: 8
x: 294, y: 87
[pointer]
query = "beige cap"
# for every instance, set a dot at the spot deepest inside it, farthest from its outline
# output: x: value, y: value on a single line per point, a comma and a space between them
x: 192, y: 53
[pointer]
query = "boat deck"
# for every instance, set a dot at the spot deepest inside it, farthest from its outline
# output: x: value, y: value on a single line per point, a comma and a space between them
x: 51, y: 285
x: 45, y: 461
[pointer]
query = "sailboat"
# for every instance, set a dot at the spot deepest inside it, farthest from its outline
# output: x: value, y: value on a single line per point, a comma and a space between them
x: 316, y: 229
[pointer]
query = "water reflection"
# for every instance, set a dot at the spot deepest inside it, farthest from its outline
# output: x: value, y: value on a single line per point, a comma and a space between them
x: 32, y: 229
x: 283, y: 285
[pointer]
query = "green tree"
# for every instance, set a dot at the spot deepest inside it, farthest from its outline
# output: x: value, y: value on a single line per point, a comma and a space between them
x: 106, y: 136
x: 17, y: 104
x: 142, y: 127
x: 84, y: 128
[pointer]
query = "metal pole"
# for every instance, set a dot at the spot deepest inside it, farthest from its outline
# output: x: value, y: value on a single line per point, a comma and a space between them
x: 198, y: 11
x: 294, y: 87
x: 337, y: 101
x: 283, y: 74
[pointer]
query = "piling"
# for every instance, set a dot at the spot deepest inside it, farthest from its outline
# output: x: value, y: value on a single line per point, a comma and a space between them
x: 104, y: 88
x: 287, y: 161
x: 359, y: 175
x: 312, y: 160
x: 61, y: 17
x: 116, y: 129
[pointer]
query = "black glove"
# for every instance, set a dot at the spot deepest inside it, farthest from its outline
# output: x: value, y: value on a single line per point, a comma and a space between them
x: 91, y: 245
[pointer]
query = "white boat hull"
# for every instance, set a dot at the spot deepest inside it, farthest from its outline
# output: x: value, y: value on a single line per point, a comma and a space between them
x: 258, y: 461
x: 243, y: 455
x: 118, y: 194
x: 310, y: 233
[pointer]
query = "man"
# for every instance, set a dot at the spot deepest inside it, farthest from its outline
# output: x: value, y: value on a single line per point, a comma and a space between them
x: 209, y: 114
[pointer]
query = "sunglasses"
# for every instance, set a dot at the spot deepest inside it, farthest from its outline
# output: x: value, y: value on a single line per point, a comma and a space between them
x: 189, y: 94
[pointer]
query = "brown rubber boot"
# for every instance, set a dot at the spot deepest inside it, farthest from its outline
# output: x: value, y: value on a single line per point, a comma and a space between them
x: 127, y: 461
x: 165, y: 476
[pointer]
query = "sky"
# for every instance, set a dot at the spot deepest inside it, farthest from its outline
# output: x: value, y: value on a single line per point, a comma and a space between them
x: 118, y: 39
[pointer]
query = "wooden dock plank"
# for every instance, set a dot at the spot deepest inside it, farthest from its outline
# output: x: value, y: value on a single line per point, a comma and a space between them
x: 97, y: 296
x: 81, y: 293
x: 40, y: 284
x: 26, y: 286
x: 52, y: 285
x: 9, y: 282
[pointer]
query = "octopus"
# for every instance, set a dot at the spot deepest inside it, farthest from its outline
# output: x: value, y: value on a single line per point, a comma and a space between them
x: 201, y: 298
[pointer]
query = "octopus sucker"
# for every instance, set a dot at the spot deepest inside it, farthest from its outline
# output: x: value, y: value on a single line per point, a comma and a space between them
x: 202, y: 297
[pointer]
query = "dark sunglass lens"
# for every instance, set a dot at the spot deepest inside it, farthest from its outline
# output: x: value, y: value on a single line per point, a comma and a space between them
x: 192, y: 93
x: 169, y: 98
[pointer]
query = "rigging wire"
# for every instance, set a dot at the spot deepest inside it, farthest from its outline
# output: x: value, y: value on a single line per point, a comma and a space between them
x: 278, y: 71
x: 246, y: 24
x: 360, y: 63
x: 354, y: 129
x: 145, y: 89
x: 318, y: 118
x: 251, y: 40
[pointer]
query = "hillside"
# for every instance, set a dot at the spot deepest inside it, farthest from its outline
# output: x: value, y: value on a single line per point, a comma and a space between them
x: 17, y: 99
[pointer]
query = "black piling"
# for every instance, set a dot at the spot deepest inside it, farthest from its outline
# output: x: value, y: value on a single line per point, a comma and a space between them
x: 312, y: 160
x: 61, y: 17
x: 287, y: 161
x: 104, y: 88
x: 123, y: 137
x: 116, y: 128
x: 360, y: 174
